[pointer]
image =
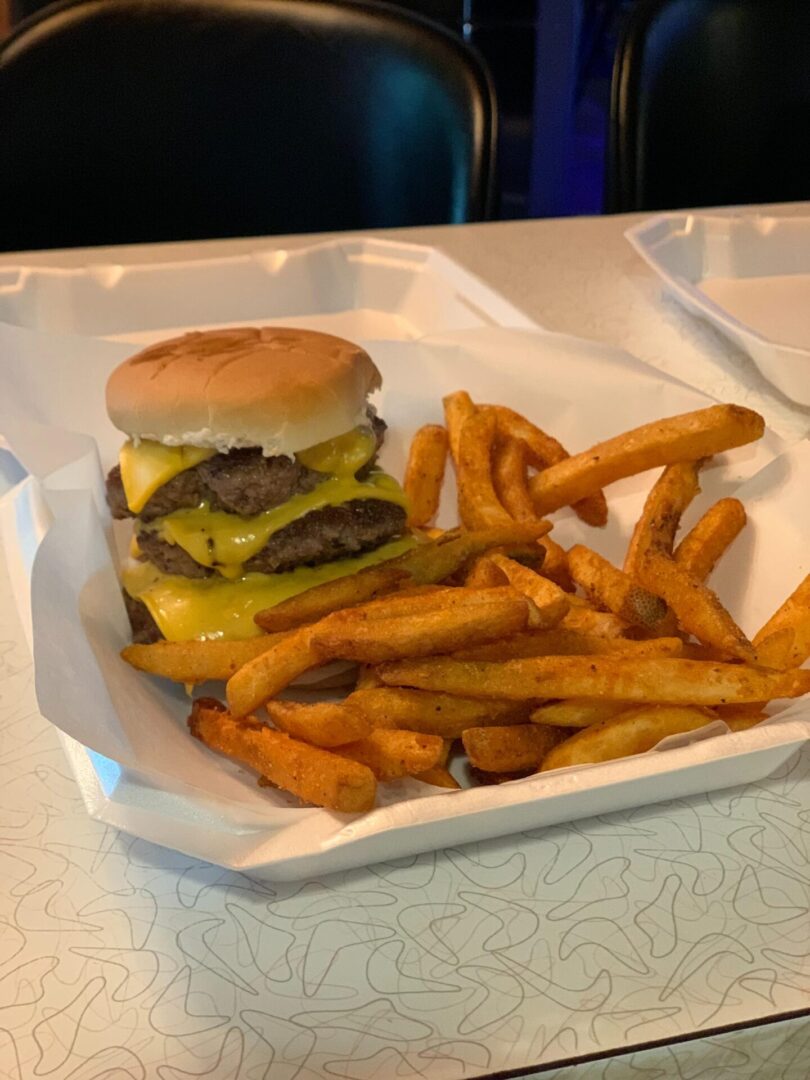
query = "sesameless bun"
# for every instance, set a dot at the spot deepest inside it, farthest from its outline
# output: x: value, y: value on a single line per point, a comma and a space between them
x: 274, y: 387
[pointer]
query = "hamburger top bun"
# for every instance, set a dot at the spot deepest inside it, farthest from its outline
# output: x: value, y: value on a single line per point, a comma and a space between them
x: 274, y: 387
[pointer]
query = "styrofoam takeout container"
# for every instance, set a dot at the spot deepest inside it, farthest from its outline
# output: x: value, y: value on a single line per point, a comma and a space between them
x: 747, y: 275
x: 125, y: 735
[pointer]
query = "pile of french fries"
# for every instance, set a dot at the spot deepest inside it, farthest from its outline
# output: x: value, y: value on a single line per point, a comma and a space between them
x: 493, y: 638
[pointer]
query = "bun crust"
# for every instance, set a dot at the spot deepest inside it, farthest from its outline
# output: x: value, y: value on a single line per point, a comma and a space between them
x: 278, y: 388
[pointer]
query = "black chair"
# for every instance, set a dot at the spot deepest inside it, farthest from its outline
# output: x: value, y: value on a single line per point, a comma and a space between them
x: 710, y: 105
x: 146, y: 120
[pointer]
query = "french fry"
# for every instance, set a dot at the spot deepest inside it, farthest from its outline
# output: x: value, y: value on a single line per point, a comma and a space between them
x: 544, y: 450
x: 322, y: 723
x: 438, y: 560
x: 600, y: 623
x: 269, y: 673
x: 367, y: 677
x: 478, y: 505
x: 560, y: 641
x: 688, y: 437
x: 433, y: 714
x: 192, y: 662
x: 422, y: 634
x: 632, y: 732
x: 616, y: 678
x: 615, y: 590
x: 424, y: 474
x: 577, y: 712
x: 655, y: 530
x: 332, y: 596
x: 793, y: 616
x: 551, y: 602
x: 701, y: 548
x: 484, y: 574
x: 458, y: 408
x: 314, y: 775
x: 698, y: 610
x: 743, y: 718
x: 555, y: 564
x: 510, y: 477
x: 392, y: 754
x: 438, y: 776
x: 509, y: 749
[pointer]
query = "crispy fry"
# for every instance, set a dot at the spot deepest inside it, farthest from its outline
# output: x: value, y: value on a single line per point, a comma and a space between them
x: 544, y: 450
x: 484, y: 574
x: 510, y: 477
x: 555, y: 564
x: 631, y: 732
x: 697, y: 608
x: 438, y: 776
x: 616, y: 678
x: 551, y: 602
x: 688, y: 437
x: 424, y: 633
x: 424, y: 473
x: 269, y: 673
x: 343, y: 592
x: 391, y: 754
x: 193, y: 662
x: 442, y: 558
x: 478, y: 505
x: 458, y: 407
x: 701, y: 548
x: 674, y: 490
x: 509, y: 749
x: 314, y: 775
x: 601, y: 623
x: 367, y: 677
x: 433, y: 714
x: 743, y: 718
x: 577, y: 712
x: 614, y: 590
x: 322, y: 723
x: 560, y: 641
x: 793, y: 615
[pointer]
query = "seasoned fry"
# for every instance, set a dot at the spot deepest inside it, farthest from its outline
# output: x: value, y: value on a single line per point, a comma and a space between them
x: 438, y: 560
x: 616, y: 678
x: 544, y: 450
x: 314, y: 775
x: 478, y: 505
x: 560, y: 641
x: 743, y: 718
x: 458, y: 407
x: 509, y: 749
x: 438, y: 776
x: 433, y: 714
x: 697, y: 608
x: 601, y: 623
x: 688, y: 437
x: 424, y: 473
x: 343, y: 592
x: 793, y: 616
x: 193, y: 662
x: 613, y: 589
x: 577, y: 712
x: 268, y: 674
x: 322, y: 723
x: 669, y: 497
x: 484, y: 574
x: 701, y: 548
x: 551, y: 602
x: 555, y: 564
x: 631, y: 732
x: 367, y: 677
x: 391, y: 754
x: 510, y: 477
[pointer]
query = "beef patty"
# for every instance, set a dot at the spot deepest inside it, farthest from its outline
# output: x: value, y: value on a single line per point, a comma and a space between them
x: 240, y: 482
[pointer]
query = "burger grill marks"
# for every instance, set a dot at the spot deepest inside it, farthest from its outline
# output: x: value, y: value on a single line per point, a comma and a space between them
x: 241, y: 482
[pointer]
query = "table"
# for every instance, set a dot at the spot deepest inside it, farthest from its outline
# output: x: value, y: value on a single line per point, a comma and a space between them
x: 121, y: 959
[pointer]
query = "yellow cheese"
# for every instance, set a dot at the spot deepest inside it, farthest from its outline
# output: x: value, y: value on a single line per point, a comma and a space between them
x: 216, y: 608
x: 150, y: 465
x: 344, y: 455
x: 226, y: 541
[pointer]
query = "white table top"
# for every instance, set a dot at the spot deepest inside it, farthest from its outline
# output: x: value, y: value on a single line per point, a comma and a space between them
x: 121, y: 958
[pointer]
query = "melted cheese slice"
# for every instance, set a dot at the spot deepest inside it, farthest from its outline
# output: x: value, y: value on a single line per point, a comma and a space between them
x: 217, y: 608
x: 225, y: 541
x: 150, y: 465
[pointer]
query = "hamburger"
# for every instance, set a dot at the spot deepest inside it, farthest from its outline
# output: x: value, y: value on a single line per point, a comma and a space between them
x: 250, y: 472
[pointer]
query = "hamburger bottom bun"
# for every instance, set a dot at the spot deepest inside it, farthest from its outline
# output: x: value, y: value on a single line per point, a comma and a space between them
x: 281, y: 389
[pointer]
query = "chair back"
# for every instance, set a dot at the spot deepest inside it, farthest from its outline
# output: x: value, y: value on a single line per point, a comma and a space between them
x: 710, y: 105
x: 148, y: 120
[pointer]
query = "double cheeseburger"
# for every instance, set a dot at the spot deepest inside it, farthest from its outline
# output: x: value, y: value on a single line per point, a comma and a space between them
x: 250, y: 472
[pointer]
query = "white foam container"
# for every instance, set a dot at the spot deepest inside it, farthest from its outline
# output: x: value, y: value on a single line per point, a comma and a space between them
x: 763, y: 264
